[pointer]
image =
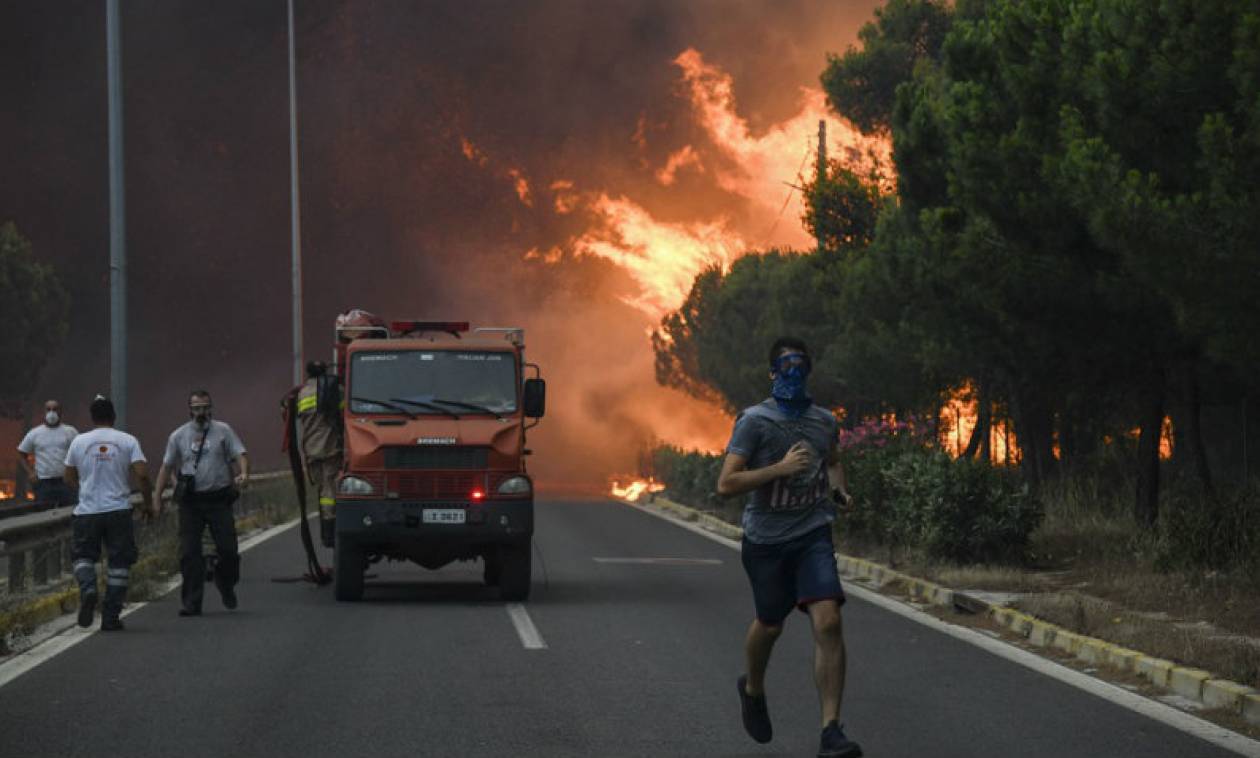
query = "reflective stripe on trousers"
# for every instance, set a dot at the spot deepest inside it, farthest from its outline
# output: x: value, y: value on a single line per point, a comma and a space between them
x: 117, y: 577
x: 85, y: 575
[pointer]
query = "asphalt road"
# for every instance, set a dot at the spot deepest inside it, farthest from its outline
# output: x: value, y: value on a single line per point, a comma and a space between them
x: 640, y: 660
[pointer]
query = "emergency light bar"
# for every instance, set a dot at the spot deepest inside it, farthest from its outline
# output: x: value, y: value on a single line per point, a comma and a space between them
x: 410, y: 327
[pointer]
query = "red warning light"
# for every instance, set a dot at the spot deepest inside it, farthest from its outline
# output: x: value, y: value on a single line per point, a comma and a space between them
x: 413, y: 327
x: 478, y: 495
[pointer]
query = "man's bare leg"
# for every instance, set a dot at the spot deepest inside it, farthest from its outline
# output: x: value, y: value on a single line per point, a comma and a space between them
x: 757, y: 646
x: 829, y: 657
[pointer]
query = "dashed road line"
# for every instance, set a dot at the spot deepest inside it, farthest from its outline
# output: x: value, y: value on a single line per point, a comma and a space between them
x: 662, y: 561
x: 525, y: 629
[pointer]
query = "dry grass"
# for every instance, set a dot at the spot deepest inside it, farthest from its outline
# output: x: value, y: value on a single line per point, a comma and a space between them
x: 1092, y: 569
x: 1230, y: 656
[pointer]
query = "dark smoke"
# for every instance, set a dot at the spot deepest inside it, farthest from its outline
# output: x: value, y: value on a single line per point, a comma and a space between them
x: 395, y: 217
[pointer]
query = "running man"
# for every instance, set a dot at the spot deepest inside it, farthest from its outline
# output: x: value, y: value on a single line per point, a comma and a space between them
x: 783, y: 454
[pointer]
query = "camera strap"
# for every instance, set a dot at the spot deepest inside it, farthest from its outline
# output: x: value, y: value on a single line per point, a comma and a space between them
x: 201, y: 448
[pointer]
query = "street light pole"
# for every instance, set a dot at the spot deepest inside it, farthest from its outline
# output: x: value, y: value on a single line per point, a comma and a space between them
x: 295, y: 220
x: 117, y: 219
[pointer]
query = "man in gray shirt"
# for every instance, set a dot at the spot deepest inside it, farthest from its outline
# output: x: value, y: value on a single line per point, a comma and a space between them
x: 211, y: 461
x: 783, y: 454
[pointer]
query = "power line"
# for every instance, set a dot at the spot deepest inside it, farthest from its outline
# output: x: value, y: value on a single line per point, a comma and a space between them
x: 809, y: 150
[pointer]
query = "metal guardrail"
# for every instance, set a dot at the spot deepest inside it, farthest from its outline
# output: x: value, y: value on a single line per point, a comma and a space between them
x: 35, y: 548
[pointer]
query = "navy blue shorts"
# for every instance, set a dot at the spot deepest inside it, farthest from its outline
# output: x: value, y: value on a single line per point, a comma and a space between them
x: 792, y: 574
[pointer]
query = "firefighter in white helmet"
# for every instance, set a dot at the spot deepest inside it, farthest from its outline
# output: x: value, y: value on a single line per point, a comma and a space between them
x: 319, y: 416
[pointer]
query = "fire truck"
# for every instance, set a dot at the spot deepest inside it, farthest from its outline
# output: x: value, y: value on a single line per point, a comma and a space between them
x: 435, y: 417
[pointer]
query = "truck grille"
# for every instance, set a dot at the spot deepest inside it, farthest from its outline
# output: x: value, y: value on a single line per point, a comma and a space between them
x: 443, y: 458
x: 445, y: 485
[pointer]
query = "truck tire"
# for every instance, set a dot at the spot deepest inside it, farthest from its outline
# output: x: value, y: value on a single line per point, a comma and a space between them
x: 492, y: 572
x: 517, y: 567
x: 349, y: 563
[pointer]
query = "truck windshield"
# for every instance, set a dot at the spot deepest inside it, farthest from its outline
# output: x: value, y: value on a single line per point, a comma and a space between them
x: 426, y: 380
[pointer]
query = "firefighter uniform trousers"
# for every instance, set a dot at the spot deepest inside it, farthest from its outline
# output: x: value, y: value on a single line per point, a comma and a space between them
x: 323, y: 475
x: 114, y: 528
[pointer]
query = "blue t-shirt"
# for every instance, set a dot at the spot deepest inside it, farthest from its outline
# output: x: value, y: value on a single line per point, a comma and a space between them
x: 787, y: 507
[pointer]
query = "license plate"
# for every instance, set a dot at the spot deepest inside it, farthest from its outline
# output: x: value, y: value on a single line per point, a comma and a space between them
x: 443, y: 515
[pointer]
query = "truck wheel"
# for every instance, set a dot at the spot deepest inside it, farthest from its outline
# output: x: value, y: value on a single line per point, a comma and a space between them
x: 348, y: 566
x: 493, y: 569
x: 517, y: 567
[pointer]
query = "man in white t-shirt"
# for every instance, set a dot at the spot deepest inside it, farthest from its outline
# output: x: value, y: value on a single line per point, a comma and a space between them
x: 100, y: 462
x: 47, y: 444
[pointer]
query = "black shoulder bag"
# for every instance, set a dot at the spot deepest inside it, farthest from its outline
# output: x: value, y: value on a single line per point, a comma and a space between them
x: 186, y: 484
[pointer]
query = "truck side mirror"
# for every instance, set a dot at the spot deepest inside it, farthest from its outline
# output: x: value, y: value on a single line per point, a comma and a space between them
x: 535, y: 399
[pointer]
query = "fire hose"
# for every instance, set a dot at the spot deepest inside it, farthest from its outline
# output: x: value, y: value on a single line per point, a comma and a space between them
x: 314, y: 571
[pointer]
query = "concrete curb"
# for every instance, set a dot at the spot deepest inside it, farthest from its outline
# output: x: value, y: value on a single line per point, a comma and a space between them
x: 1193, y: 684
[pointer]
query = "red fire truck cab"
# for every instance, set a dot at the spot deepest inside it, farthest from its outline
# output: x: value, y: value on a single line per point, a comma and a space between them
x: 435, y: 419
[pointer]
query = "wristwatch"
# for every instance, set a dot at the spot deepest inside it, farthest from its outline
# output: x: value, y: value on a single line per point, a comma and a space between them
x: 840, y: 497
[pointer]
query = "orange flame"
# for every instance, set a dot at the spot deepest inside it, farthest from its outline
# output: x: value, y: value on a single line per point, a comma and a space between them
x: 472, y: 152
x: 634, y: 489
x: 8, y: 490
x: 1165, y: 438
x: 958, y: 420
x: 759, y: 170
x: 663, y: 258
x: 521, y: 185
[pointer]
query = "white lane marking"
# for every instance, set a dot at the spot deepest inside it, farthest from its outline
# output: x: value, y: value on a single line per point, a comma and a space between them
x: 1165, y: 714
x: 72, y: 634
x: 662, y: 561
x: 525, y: 628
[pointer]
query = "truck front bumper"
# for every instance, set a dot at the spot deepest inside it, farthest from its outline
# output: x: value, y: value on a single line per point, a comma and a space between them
x: 402, y: 524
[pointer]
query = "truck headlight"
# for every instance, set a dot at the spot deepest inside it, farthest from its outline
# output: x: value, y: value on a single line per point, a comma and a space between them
x: 353, y: 485
x: 515, y: 485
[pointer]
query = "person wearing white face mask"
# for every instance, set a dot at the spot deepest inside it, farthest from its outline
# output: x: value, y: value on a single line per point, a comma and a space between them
x: 47, y: 445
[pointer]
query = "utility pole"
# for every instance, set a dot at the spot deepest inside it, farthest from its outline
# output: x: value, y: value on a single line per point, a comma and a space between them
x: 117, y: 219
x: 295, y: 220
x: 820, y: 174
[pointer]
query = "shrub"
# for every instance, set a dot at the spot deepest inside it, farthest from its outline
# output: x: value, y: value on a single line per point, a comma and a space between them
x: 689, y: 477
x: 907, y: 493
x: 1197, y: 532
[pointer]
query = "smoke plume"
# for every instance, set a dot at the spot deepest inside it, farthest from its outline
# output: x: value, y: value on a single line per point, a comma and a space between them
x: 564, y: 167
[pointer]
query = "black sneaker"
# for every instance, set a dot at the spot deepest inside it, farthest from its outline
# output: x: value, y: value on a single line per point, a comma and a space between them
x: 87, y: 606
x: 190, y: 612
x: 835, y: 745
x: 756, y: 715
x: 112, y: 625
x: 229, y: 599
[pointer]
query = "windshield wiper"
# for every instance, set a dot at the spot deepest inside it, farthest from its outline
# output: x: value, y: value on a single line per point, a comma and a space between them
x: 469, y: 406
x: 386, y: 403
x: 425, y: 404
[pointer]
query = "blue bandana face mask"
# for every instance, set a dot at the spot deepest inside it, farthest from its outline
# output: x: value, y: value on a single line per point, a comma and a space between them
x: 790, y: 374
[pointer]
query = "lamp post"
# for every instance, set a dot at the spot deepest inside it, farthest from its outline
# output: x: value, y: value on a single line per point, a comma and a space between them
x: 117, y: 219
x: 295, y: 220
